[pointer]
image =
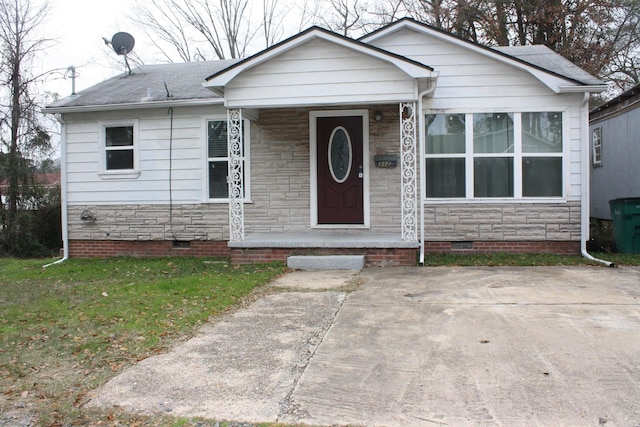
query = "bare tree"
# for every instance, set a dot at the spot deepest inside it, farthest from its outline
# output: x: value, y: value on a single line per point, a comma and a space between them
x: 346, y: 17
x: 623, y: 71
x: 272, y: 22
x: 222, y: 26
x: 21, y: 132
x: 165, y: 26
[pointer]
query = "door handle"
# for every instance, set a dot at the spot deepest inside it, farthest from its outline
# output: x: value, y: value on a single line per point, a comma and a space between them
x: 360, y: 172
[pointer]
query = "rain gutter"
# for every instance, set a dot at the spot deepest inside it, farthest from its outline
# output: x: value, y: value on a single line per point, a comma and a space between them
x: 422, y: 142
x: 585, y: 199
x: 63, y: 192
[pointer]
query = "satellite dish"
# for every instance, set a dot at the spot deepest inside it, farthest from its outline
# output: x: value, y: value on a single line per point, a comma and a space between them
x: 122, y: 43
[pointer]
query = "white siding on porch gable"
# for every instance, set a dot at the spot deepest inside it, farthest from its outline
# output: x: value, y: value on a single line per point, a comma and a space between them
x: 86, y: 186
x: 471, y: 82
x: 319, y: 72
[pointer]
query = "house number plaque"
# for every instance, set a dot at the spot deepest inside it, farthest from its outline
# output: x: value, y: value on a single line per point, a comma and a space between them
x: 385, y: 161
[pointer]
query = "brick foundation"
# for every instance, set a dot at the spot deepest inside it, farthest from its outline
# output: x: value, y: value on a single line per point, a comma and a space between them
x: 154, y: 248
x: 486, y: 247
x: 373, y: 256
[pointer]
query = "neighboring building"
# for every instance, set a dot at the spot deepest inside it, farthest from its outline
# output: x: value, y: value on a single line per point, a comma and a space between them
x: 409, y: 138
x: 47, y: 181
x: 615, y: 151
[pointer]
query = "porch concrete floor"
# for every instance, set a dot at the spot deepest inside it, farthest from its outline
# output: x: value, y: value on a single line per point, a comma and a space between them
x: 320, y: 239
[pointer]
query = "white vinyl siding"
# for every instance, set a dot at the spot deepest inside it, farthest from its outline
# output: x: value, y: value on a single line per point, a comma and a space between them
x: 188, y: 183
x: 319, y: 72
x: 461, y: 68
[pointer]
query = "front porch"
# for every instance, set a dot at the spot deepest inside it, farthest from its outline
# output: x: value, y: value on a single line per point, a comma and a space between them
x: 379, y: 249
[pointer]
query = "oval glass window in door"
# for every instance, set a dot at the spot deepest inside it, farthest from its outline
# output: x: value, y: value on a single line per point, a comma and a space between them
x: 340, y: 154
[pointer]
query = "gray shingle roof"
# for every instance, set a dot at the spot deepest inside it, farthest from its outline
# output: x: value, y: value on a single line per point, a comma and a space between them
x: 183, y: 80
x: 543, y: 57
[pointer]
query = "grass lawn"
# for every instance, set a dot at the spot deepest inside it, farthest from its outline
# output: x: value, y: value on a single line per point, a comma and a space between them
x: 67, y: 329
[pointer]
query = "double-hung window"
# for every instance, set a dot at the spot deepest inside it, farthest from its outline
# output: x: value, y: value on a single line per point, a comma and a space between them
x: 218, y: 160
x: 119, y: 149
x: 497, y: 155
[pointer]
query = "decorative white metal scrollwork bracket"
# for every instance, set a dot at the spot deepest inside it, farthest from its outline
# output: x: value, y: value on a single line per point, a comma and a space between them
x: 408, y: 171
x: 236, y: 175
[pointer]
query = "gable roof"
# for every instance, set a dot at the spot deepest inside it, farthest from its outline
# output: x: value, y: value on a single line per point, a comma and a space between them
x: 145, y: 87
x: 412, y: 68
x: 196, y: 83
x: 538, y: 60
x: 541, y: 56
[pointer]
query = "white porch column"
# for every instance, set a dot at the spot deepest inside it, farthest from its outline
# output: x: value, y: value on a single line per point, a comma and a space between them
x: 236, y: 175
x: 408, y: 171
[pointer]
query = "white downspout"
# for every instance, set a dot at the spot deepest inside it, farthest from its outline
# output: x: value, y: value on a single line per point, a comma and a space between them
x: 422, y: 142
x: 63, y: 192
x: 585, y: 199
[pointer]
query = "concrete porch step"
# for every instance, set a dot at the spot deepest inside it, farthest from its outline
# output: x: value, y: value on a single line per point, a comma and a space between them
x: 326, y: 262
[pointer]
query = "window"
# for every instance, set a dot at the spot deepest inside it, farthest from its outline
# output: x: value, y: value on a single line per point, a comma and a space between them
x: 445, y: 147
x: 596, y: 144
x: 542, y: 155
x: 218, y: 160
x: 119, y: 145
x: 494, y: 155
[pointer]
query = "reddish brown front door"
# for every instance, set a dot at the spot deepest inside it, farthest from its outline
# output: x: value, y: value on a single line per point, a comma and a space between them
x: 340, y: 174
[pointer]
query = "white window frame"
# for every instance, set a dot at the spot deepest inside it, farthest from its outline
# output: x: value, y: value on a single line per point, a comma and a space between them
x: 596, y: 147
x: 119, y: 173
x: 246, y: 157
x: 517, y: 155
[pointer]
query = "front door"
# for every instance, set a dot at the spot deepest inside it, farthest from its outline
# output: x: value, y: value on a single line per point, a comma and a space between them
x: 340, y: 170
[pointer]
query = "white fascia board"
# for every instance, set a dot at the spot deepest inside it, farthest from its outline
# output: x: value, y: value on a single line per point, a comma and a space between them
x: 553, y: 82
x: 582, y: 89
x: 410, y: 68
x: 132, y: 106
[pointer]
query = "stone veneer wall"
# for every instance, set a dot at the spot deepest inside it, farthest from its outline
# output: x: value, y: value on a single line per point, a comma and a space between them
x: 280, y: 162
x: 517, y: 227
x: 150, y: 222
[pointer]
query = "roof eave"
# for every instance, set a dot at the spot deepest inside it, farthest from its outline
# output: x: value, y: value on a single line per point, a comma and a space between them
x: 549, y: 78
x: 582, y: 89
x: 410, y: 67
x: 132, y: 105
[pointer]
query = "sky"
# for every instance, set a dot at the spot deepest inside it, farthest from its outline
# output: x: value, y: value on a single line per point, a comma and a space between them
x: 77, y: 27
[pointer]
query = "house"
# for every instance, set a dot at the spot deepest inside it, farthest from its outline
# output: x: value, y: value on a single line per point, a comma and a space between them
x: 615, y: 157
x: 407, y: 141
x: 48, y: 181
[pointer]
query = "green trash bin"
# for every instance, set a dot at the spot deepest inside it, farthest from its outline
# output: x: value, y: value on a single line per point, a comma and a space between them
x: 625, y: 214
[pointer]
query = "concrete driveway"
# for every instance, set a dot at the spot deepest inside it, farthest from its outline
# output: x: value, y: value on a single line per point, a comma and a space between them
x: 548, y: 346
